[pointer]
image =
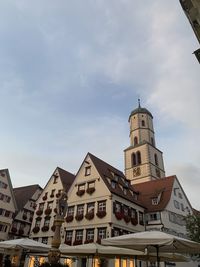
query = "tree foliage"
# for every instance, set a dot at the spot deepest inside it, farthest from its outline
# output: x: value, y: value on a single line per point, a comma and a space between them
x: 193, y: 227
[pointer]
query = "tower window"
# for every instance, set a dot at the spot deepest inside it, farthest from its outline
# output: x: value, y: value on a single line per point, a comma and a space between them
x: 135, y: 140
x: 134, y: 159
x: 156, y: 159
x: 143, y: 123
x: 138, y: 157
x: 152, y: 141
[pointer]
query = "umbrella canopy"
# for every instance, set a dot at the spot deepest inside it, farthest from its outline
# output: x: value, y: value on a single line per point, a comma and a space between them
x: 24, y: 243
x: 93, y: 249
x: 175, y: 257
x: 152, y: 240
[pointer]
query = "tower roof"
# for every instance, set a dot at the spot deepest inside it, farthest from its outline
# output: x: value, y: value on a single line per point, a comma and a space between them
x: 140, y: 110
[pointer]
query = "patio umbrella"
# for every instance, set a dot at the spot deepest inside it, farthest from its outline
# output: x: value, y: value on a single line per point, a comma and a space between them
x: 94, y: 249
x: 24, y: 243
x: 154, y: 241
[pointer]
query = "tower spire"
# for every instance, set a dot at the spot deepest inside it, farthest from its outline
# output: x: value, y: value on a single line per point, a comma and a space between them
x: 139, y: 103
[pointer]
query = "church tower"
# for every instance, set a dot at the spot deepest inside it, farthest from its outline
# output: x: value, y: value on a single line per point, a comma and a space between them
x: 143, y: 161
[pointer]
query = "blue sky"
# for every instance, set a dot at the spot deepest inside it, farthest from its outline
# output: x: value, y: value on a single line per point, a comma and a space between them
x: 72, y: 71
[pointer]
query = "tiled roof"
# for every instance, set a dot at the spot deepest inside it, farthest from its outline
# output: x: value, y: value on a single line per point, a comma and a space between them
x: 107, y: 173
x: 24, y: 193
x: 67, y: 178
x: 152, y: 189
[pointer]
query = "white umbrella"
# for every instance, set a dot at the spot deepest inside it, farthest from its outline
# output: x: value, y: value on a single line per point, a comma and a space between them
x: 154, y: 241
x: 94, y: 249
x: 24, y: 243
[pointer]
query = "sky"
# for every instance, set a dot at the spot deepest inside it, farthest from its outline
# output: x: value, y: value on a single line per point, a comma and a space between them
x: 71, y: 72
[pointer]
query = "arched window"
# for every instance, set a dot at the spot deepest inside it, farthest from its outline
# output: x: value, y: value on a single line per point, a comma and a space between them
x: 143, y: 123
x: 135, y: 140
x: 134, y: 162
x: 138, y: 154
x: 156, y: 159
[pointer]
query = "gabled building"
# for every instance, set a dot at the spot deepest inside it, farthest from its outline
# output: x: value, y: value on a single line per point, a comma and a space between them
x: 166, y: 205
x: 42, y: 228
x: 7, y: 204
x: 26, y: 198
x: 101, y: 203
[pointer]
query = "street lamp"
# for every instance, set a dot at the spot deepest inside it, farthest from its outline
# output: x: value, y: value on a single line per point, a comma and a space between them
x: 61, y: 206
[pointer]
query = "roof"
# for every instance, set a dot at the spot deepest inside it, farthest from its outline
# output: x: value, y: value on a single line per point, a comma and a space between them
x: 67, y: 178
x: 24, y: 193
x: 140, y: 110
x: 105, y: 170
x: 152, y: 189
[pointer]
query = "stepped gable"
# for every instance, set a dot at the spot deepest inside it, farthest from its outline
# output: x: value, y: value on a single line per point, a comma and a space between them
x: 105, y: 170
x: 67, y: 178
x: 152, y: 189
x: 23, y: 194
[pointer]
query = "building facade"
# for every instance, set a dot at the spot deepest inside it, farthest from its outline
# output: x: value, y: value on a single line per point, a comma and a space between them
x: 7, y: 204
x: 42, y: 228
x: 101, y: 203
x: 26, y: 198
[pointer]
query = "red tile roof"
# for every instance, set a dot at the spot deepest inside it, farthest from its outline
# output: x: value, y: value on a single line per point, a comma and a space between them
x: 105, y: 170
x: 152, y: 189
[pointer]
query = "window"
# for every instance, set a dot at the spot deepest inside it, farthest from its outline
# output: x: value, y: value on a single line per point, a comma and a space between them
x: 7, y: 213
x: 143, y: 123
x: 176, y: 204
x: 135, y: 140
x: 45, y: 240
x: 90, y: 207
x: 50, y: 205
x: 180, y: 195
x: 156, y: 159
x: 152, y: 141
x: 68, y: 236
x: 154, y: 201
x: 87, y: 170
x: 90, y: 234
x: 138, y: 157
x: 79, y: 235
x: 125, y: 191
x: 102, y: 233
x: 1, y: 211
x: 37, y: 222
x: 3, y: 228
x: 134, y: 162
x: 113, y: 184
x: 133, y: 214
x: 81, y: 187
x: 182, y: 207
x: 154, y: 216
x: 126, y: 211
x: 41, y: 206
x: 47, y: 221
x: 70, y: 211
x: 116, y: 232
x: 52, y: 192
x: 55, y: 180
x: 91, y: 184
x: 117, y: 207
x: 102, y: 205
x: 116, y: 177
x: 141, y: 219
x: 3, y: 185
x: 80, y: 209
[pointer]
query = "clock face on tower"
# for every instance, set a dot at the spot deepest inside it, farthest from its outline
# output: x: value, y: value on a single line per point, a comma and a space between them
x: 136, y: 171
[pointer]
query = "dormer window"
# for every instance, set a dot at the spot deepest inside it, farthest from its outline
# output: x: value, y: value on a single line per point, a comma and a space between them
x: 113, y: 184
x: 116, y: 177
x: 87, y: 170
x: 154, y: 201
x: 125, y: 191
